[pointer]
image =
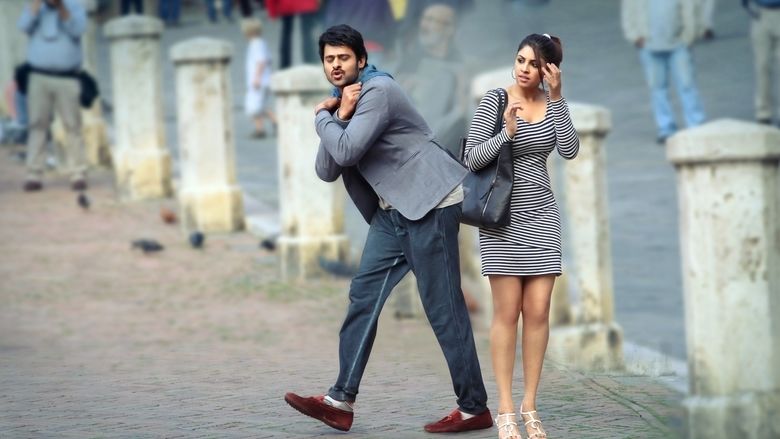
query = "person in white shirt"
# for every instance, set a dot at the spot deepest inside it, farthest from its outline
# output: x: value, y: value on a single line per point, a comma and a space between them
x: 258, y: 76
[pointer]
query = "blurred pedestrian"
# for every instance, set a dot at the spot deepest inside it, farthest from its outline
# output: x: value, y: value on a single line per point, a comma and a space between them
x: 54, y: 55
x: 663, y: 32
x: 432, y: 72
x: 136, y: 5
x: 413, y: 12
x: 226, y: 6
x: 522, y: 259
x: 408, y: 189
x: 287, y: 10
x: 765, y: 34
x: 245, y: 6
x: 707, y: 15
x: 169, y: 11
x: 258, y: 76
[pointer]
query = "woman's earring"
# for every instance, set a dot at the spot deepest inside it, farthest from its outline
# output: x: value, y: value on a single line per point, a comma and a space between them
x: 513, y: 74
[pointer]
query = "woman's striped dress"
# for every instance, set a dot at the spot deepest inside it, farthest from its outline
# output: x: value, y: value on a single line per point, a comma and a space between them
x: 531, y: 243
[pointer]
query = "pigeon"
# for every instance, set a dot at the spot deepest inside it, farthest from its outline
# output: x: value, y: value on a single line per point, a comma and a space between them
x: 147, y: 245
x: 196, y: 239
x: 338, y: 268
x: 83, y: 201
x: 269, y: 243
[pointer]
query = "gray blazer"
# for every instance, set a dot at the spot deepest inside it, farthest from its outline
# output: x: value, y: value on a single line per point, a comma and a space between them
x: 386, y: 149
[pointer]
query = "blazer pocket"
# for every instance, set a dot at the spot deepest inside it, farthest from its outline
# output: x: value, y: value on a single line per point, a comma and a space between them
x: 403, y: 163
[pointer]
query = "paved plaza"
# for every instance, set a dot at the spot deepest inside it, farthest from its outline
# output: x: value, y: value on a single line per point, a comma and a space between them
x: 99, y: 340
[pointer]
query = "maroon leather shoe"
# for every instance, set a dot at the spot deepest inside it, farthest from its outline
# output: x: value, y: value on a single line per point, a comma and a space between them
x: 454, y: 423
x: 316, y: 407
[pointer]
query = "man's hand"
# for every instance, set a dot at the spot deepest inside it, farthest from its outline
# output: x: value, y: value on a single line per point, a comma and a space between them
x: 36, y: 6
x: 639, y: 43
x: 329, y: 104
x: 349, y: 99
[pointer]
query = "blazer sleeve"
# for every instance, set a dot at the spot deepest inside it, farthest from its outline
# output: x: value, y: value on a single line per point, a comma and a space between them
x: 327, y: 169
x: 347, y: 145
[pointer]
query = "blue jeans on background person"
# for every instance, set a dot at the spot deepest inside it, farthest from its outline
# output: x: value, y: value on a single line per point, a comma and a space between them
x: 308, y: 41
x: 677, y: 64
x: 169, y: 11
x: 227, y: 9
x: 428, y: 247
x: 138, y: 6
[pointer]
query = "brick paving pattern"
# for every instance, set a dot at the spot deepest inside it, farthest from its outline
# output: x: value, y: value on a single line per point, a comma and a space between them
x: 98, y: 340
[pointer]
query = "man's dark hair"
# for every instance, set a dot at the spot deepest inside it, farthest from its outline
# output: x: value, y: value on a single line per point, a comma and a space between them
x: 343, y: 35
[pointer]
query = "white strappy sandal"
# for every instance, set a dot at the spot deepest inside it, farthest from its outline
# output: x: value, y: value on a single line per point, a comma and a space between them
x: 507, y: 426
x: 535, y: 422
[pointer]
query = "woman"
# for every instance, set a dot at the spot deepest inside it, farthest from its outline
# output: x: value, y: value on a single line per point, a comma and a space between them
x: 522, y: 259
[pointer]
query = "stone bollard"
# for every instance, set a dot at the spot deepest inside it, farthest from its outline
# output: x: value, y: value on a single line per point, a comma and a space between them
x: 595, y: 340
x: 142, y: 162
x: 729, y: 196
x: 312, y: 211
x: 209, y: 197
x: 12, y: 45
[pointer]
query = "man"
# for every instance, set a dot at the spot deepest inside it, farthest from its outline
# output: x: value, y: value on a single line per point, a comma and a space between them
x: 765, y: 34
x: 408, y: 189
x: 54, y: 28
x: 663, y: 31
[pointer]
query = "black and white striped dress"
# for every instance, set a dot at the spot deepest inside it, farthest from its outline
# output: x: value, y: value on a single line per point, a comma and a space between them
x: 531, y: 243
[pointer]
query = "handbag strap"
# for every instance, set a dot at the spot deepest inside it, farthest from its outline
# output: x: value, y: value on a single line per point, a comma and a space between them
x: 502, y: 103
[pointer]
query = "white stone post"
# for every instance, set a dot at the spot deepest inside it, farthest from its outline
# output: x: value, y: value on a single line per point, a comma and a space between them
x: 210, y: 198
x: 12, y: 45
x: 595, y: 340
x: 312, y: 211
x: 141, y: 160
x: 729, y: 197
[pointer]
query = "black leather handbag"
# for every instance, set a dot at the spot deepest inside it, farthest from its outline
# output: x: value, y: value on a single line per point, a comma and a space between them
x: 487, y: 193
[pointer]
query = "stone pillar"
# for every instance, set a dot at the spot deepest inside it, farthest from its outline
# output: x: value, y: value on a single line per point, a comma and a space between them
x: 312, y: 211
x: 210, y: 198
x: 13, y: 44
x: 94, y: 127
x: 594, y: 342
x: 141, y: 160
x: 729, y: 198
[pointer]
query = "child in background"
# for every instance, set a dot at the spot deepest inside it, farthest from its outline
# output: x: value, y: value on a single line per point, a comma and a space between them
x: 258, y: 76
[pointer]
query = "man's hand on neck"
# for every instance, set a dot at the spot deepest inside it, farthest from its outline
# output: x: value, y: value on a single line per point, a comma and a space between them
x: 349, y: 99
x: 330, y: 104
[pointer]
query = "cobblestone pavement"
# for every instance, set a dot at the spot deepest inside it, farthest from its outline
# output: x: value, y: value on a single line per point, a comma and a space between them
x: 98, y: 340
